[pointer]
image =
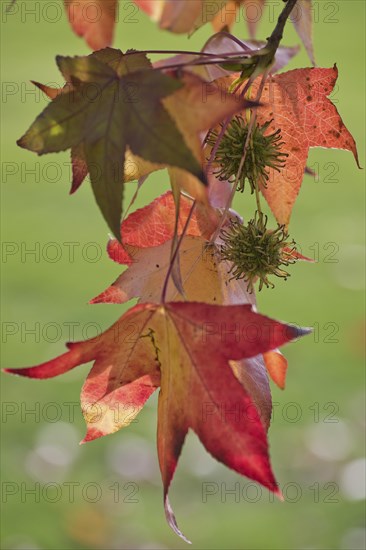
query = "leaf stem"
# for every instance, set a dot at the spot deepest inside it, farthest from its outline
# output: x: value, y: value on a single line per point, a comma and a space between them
x: 257, y: 198
x: 173, y: 52
x: 242, y: 161
x: 175, y: 254
x: 227, y: 35
x: 273, y: 43
x: 217, y: 59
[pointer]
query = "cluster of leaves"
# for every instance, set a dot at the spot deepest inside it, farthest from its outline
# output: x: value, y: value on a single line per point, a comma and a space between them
x: 195, y: 333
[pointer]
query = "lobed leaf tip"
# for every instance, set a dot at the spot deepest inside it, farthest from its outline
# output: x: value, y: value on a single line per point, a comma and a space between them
x: 21, y: 142
x: 17, y: 372
x: 25, y: 372
x: 172, y: 522
x: 298, y: 332
x: 89, y: 436
x: 59, y: 59
x: 279, y: 494
x: 304, y: 331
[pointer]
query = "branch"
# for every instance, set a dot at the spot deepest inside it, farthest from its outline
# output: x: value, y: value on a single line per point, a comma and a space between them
x: 274, y: 40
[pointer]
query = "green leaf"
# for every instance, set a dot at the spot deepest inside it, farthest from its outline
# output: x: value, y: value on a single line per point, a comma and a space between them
x: 115, y: 102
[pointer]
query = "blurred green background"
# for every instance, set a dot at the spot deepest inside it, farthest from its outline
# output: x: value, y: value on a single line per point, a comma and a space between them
x: 107, y: 494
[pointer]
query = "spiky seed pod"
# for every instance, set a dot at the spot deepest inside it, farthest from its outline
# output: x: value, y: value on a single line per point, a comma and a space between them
x: 257, y: 252
x: 264, y: 152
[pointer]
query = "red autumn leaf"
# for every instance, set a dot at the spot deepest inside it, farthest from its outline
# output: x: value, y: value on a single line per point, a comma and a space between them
x: 154, y: 224
x: 94, y: 21
x: 184, y: 348
x: 204, y: 279
x: 297, y: 103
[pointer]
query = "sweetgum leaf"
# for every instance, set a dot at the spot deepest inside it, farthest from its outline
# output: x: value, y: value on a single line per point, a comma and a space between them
x: 298, y: 104
x: 154, y: 225
x: 115, y: 102
x: 195, y: 107
x: 148, y: 234
x: 186, y: 349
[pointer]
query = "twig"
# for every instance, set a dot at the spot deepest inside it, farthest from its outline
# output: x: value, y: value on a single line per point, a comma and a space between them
x: 174, y: 256
x: 274, y: 40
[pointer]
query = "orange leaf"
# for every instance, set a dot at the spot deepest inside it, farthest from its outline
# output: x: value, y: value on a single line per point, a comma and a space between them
x: 297, y: 103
